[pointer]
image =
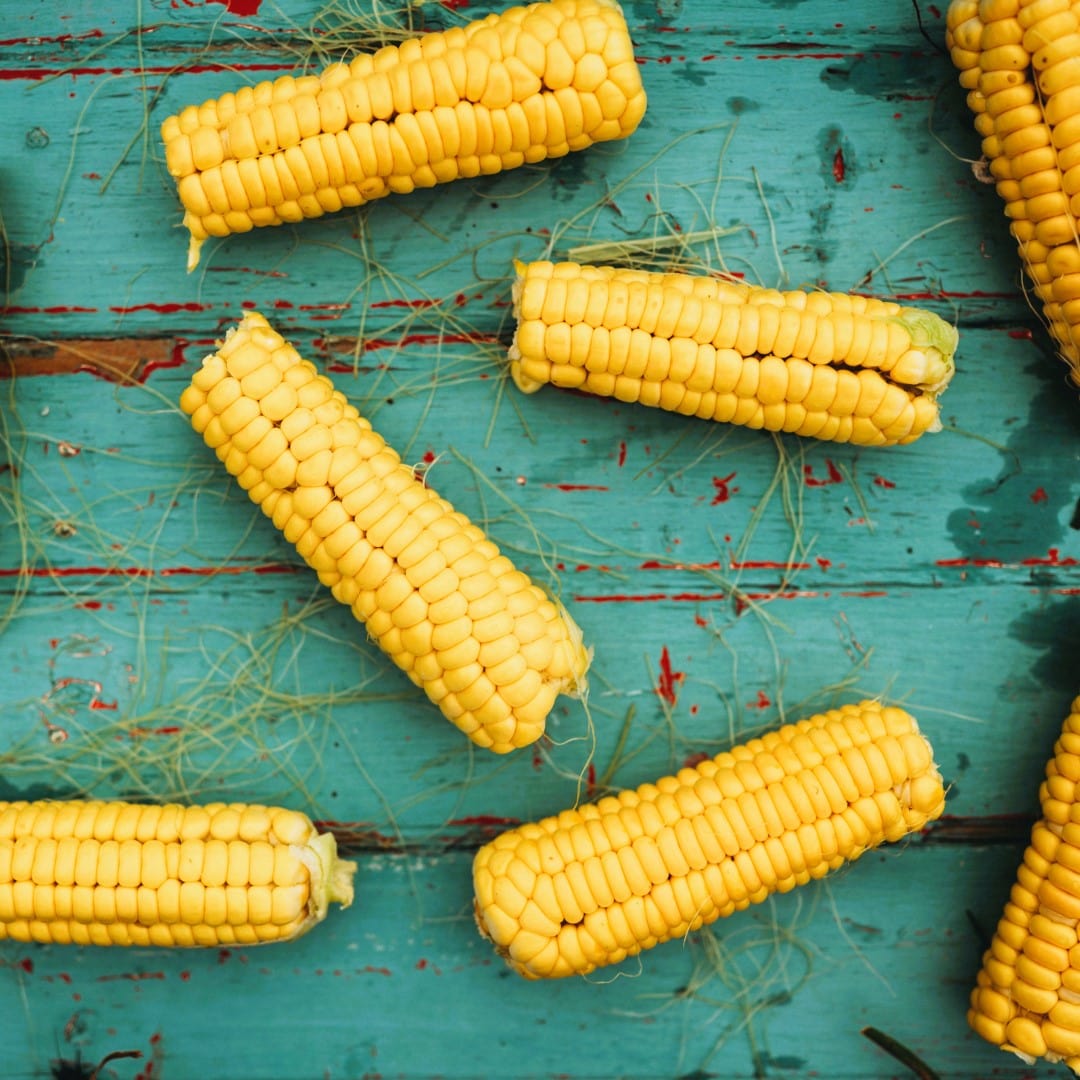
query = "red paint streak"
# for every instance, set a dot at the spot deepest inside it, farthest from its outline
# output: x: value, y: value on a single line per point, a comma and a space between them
x: 762, y: 701
x: 590, y: 778
x: 723, y: 489
x: 56, y: 310
x: 946, y: 294
x: 838, y: 167
x: 578, y: 487
x: 1039, y: 495
x: 866, y: 593
x: 701, y: 621
x: 161, y: 309
x: 402, y: 303
x: 765, y: 564
x: 107, y: 706
x: 243, y: 8
x: 371, y: 970
x: 622, y: 454
x: 454, y: 5
x: 669, y: 678
x: 1051, y: 558
x: 1021, y: 334
x: 485, y: 820
x: 834, y: 477
x: 823, y: 562
x: 27, y: 965
x: 881, y: 482
x: 89, y: 605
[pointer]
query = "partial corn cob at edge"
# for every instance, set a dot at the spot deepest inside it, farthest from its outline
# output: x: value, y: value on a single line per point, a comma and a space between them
x: 1027, y: 994
x: 530, y: 83
x: 1020, y: 65
x: 596, y: 884
x: 116, y: 873
x: 488, y: 646
x: 828, y: 365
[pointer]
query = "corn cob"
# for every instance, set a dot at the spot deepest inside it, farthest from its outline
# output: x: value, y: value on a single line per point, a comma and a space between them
x: 531, y: 83
x: 487, y: 645
x: 596, y: 884
x: 1020, y: 65
x: 827, y: 365
x: 1027, y: 994
x: 116, y: 873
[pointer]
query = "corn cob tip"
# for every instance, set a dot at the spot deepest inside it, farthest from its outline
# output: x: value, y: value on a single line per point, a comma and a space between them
x: 331, y: 876
x: 938, y: 340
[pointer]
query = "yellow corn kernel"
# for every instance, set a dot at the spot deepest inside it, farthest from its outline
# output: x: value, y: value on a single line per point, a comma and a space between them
x: 504, y: 90
x: 431, y: 590
x: 732, y: 352
x: 133, y: 874
x: 658, y: 862
x: 1027, y: 994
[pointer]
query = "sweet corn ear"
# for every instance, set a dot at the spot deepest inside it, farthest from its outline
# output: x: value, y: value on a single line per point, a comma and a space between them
x: 1027, y: 994
x: 827, y: 365
x: 1020, y: 64
x: 487, y: 645
x: 116, y: 873
x: 604, y: 881
x: 533, y: 82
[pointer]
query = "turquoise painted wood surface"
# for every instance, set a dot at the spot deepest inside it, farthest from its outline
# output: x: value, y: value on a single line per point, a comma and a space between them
x: 727, y: 579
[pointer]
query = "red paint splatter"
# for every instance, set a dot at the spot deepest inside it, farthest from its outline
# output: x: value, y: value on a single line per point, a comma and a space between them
x: 722, y: 489
x: 1039, y: 495
x: 762, y: 701
x: 700, y: 620
x: 669, y: 678
x: 838, y: 167
x: 370, y: 969
x: 622, y: 454
x: 243, y: 8
x: 185, y: 976
x: 454, y: 5
x: 27, y: 965
x: 834, y: 475
x: 823, y: 562
x: 421, y: 964
x: 881, y: 482
x: 1021, y: 334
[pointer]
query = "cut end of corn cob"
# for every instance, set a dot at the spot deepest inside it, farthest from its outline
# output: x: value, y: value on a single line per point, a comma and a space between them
x: 117, y: 873
x: 831, y: 366
x: 486, y: 644
x: 602, y: 882
x: 534, y: 82
x: 1026, y: 998
x: 1020, y: 65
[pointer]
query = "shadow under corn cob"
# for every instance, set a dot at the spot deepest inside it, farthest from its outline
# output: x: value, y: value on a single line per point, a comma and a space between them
x: 487, y: 645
